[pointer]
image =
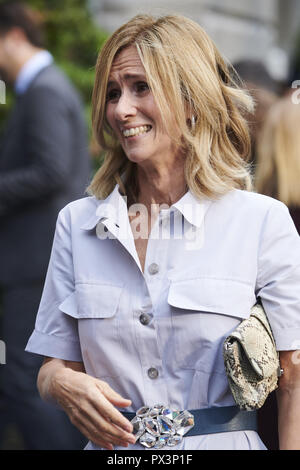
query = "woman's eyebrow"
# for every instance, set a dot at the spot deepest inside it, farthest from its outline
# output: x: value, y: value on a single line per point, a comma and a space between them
x: 130, y: 76
x: 127, y: 76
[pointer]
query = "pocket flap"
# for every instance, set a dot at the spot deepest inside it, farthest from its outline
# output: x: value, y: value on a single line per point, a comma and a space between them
x: 69, y: 305
x: 92, y: 301
x: 228, y: 297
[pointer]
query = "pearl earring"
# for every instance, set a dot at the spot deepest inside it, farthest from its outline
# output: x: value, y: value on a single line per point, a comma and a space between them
x: 193, y: 122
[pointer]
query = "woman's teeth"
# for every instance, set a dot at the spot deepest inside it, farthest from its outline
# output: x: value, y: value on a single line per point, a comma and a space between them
x: 136, y: 131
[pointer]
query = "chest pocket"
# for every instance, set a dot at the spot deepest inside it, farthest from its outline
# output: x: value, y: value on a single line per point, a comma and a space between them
x: 204, y: 311
x: 97, y: 309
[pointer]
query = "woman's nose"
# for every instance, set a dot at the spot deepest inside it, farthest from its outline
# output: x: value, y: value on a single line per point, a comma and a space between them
x: 125, y: 107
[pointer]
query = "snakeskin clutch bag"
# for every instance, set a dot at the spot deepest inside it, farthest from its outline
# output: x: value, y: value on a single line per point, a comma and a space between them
x: 251, y: 360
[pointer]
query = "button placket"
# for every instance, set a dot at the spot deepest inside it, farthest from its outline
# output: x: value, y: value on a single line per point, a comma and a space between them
x: 150, y: 350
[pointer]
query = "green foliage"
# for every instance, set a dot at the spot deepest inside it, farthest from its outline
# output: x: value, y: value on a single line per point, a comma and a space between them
x: 74, y: 40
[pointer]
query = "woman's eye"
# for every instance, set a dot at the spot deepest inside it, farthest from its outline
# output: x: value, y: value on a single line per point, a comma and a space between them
x: 142, y: 86
x: 112, y: 95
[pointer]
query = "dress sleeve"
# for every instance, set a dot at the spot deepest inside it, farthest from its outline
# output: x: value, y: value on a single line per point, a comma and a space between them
x: 278, y: 279
x: 56, y: 330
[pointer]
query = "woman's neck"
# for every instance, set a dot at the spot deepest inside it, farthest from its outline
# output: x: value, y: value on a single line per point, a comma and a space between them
x: 161, y: 184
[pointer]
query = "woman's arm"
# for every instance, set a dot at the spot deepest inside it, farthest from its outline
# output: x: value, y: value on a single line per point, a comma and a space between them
x: 90, y: 403
x: 288, y: 399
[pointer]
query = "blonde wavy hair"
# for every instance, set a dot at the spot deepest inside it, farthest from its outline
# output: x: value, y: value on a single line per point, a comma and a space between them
x: 278, y: 153
x: 183, y: 67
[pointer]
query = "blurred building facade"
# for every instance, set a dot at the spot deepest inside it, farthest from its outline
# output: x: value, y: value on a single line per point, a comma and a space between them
x: 242, y: 29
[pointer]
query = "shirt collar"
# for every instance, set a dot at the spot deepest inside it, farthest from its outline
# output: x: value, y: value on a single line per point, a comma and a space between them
x: 110, y: 208
x: 192, y: 208
x: 114, y: 207
x: 31, y: 69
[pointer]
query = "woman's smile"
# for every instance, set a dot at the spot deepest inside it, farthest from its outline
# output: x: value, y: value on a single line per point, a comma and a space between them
x: 136, y: 131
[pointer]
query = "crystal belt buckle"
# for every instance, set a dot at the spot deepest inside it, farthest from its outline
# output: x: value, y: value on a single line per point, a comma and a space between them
x: 158, y: 426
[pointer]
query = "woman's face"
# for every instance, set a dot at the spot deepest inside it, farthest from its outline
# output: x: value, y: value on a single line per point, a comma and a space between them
x: 132, y: 113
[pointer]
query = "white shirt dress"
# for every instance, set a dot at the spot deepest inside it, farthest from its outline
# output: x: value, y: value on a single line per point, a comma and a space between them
x: 157, y: 336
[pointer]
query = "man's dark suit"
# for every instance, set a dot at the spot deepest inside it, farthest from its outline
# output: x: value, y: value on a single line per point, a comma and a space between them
x: 44, y: 164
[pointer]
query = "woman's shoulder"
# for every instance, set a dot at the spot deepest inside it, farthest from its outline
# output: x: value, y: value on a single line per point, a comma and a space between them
x: 251, y: 201
x: 82, y: 204
x: 248, y: 210
x: 79, y: 210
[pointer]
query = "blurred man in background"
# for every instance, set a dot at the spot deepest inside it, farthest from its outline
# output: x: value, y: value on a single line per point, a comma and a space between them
x: 44, y: 164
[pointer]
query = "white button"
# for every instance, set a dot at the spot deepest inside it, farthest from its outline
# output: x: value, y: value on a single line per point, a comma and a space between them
x: 153, y: 268
x: 153, y: 373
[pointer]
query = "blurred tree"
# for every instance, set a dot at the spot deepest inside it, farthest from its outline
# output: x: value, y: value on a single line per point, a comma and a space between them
x: 74, y: 40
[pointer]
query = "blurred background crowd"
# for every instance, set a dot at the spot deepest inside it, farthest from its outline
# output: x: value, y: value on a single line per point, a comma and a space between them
x: 47, y: 58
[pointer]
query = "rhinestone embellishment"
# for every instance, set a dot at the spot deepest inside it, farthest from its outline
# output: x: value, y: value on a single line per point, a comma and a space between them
x: 158, y: 426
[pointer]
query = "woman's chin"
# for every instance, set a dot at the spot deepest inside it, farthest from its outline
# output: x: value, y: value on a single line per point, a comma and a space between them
x: 136, y: 157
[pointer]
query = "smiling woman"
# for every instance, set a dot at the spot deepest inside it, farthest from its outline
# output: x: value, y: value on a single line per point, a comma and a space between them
x: 132, y: 113
x: 151, y: 273
x: 179, y: 89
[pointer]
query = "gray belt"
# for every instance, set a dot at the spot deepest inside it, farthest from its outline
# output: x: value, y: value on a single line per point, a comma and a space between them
x: 196, y: 422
